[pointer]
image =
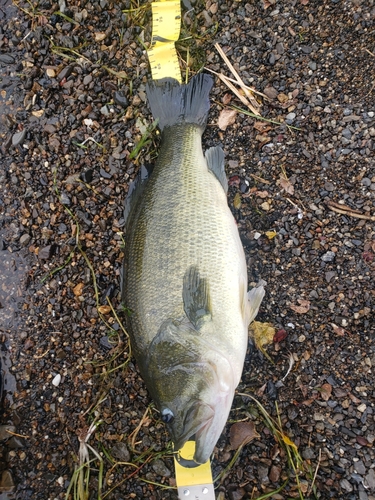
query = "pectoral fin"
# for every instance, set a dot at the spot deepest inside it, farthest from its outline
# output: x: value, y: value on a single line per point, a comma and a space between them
x: 196, y: 297
x: 254, y: 299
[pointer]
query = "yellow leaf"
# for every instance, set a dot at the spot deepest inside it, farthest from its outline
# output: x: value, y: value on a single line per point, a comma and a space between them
x: 237, y: 201
x: 288, y: 441
x: 271, y: 234
x: 263, y: 334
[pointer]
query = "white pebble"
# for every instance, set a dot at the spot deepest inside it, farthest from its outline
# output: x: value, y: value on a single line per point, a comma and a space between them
x: 56, y: 381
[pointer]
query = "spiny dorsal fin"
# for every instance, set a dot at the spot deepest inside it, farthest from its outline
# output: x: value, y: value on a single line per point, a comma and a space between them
x: 196, y: 297
x: 215, y: 162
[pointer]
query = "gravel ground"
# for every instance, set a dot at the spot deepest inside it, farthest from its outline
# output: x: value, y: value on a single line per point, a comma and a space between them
x: 73, y: 106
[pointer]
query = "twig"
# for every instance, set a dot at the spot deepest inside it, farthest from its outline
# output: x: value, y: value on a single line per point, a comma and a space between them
x: 251, y: 89
x: 253, y: 104
x: 316, y: 472
x: 348, y: 211
x: 371, y: 54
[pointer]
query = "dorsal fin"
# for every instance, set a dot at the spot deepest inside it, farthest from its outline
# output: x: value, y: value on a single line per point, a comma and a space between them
x: 215, y: 162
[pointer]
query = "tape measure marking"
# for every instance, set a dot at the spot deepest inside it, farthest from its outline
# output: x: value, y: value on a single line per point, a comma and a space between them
x: 166, y: 22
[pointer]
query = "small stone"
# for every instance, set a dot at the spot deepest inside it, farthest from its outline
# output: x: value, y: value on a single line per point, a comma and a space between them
x: 290, y: 116
x: 160, y: 468
x: 329, y: 186
x: 312, y: 65
x: 51, y: 72
x: 19, y: 137
x: 308, y: 454
x: 56, y: 380
x: 370, y: 479
x: 7, y: 483
x: 270, y: 92
x: 64, y: 199
x: 301, y: 338
x: 328, y: 256
x: 25, y: 239
x: 5, y: 432
x: 366, y: 181
x: 345, y: 485
x: 362, y: 407
x: 120, y: 452
x: 329, y: 275
x: 86, y: 176
x: 360, y: 467
x: 120, y: 98
x: 64, y: 73
x: 274, y: 474
x: 87, y: 80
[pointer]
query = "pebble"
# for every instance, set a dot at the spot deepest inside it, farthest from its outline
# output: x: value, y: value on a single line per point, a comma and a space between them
x: 160, y: 468
x: 25, y: 239
x: 328, y: 256
x: 56, y: 380
x: 329, y: 186
x: 5, y: 431
x: 120, y: 452
x: 87, y: 80
x: 120, y: 98
x: 64, y: 199
x: 370, y: 479
x: 290, y: 116
x: 19, y: 137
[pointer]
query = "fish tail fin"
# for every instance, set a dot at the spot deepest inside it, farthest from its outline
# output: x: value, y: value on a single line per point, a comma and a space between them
x: 172, y: 103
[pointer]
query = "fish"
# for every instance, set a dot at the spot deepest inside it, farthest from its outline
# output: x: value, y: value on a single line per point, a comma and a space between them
x: 185, y: 281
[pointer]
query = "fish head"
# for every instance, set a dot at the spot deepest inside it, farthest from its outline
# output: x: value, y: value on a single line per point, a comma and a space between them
x: 193, y: 386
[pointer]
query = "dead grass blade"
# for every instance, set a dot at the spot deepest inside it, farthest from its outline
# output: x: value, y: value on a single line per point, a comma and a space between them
x: 345, y: 210
x: 248, y: 99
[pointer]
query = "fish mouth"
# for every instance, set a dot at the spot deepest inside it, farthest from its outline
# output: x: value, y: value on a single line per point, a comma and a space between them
x: 198, y: 420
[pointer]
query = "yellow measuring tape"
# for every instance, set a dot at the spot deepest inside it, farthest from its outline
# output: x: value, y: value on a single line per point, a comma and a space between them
x: 193, y: 482
x: 166, y: 23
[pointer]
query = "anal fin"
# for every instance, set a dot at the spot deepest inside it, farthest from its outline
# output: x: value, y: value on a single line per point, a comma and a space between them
x: 254, y: 299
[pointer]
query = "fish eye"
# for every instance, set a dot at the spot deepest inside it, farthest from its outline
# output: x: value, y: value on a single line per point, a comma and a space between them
x: 167, y: 416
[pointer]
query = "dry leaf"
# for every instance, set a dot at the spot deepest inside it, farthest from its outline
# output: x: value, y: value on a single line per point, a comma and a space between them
x: 242, y: 433
x: 339, y: 331
x: 304, y: 306
x: 263, y: 334
x: 104, y: 309
x: 237, y: 201
x: 271, y: 234
x: 262, y: 138
x: 77, y: 290
x: 227, y: 117
x: 304, y: 2
x: 285, y: 184
x: 326, y: 391
x: 226, y: 99
x: 262, y: 127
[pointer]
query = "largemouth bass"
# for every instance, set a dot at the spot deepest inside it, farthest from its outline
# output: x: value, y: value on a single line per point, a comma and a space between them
x: 185, y: 275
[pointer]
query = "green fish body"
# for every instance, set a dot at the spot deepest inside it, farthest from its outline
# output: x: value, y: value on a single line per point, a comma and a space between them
x: 185, y: 275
